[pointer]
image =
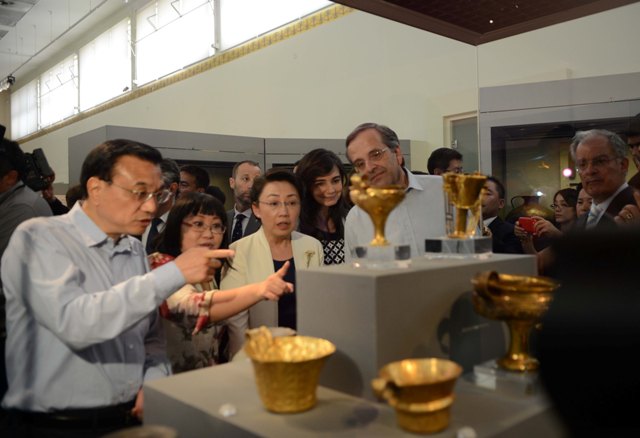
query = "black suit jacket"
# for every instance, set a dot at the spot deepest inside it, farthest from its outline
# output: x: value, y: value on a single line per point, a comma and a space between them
x: 253, y: 225
x: 623, y: 198
x: 504, y: 240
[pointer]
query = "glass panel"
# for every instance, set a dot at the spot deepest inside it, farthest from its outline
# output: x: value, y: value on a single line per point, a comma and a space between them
x: 172, y: 35
x: 59, y: 92
x: 246, y: 19
x: 105, y: 66
x: 24, y: 110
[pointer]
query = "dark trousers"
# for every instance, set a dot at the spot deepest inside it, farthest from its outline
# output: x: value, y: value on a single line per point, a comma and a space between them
x: 69, y: 423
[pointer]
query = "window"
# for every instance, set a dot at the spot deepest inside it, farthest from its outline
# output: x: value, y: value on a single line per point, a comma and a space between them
x: 171, y: 35
x: 24, y: 110
x: 59, y: 92
x: 105, y: 66
x: 243, y: 20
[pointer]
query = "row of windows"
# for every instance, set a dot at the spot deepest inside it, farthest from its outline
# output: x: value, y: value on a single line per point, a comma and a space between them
x: 159, y: 39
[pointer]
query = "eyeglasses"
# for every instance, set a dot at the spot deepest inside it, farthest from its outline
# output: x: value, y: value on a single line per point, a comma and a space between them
x: 596, y: 163
x: 200, y: 227
x: 374, y: 156
x: 555, y: 206
x: 161, y: 196
x: 275, y: 205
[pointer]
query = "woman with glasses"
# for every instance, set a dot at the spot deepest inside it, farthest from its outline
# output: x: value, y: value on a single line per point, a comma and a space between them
x: 190, y: 315
x: 564, y: 207
x: 275, y: 200
x: 324, y: 207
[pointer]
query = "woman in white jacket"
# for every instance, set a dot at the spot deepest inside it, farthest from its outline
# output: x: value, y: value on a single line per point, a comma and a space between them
x: 275, y: 200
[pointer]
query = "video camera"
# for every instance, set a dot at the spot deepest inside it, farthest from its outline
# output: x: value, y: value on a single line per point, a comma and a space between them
x: 34, y: 167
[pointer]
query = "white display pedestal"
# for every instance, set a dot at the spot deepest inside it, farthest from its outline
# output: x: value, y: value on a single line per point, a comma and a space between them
x: 379, y: 316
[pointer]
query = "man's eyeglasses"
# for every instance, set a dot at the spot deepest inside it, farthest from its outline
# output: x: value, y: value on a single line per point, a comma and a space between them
x: 274, y: 205
x: 597, y: 163
x: 374, y: 156
x: 200, y: 227
x: 142, y: 196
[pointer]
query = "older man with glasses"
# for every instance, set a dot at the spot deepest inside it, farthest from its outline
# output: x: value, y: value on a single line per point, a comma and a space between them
x: 374, y: 151
x: 602, y: 163
x: 83, y: 332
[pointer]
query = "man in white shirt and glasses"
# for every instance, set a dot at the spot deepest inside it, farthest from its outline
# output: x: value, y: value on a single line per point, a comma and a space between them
x: 374, y: 151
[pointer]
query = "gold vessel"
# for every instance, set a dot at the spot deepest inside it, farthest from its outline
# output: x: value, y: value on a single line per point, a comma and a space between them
x: 287, y: 368
x: 520, y: 301
x: 420, y: 390
x: 463, y: 192
x: 377, y: 202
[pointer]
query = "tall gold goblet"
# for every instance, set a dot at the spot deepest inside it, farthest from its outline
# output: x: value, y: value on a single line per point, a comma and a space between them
x: 463, y: 191
x: 377, y: 202
x: 520, y: 301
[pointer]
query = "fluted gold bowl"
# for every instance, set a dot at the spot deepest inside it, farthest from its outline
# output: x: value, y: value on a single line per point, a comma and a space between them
x: 287, y: 368
x: 518, y: 300
x: 420, y: 390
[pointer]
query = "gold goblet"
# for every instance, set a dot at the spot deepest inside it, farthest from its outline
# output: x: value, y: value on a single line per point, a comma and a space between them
x: 520, y: 301
x: 463, y: 191
x: 377, y: 202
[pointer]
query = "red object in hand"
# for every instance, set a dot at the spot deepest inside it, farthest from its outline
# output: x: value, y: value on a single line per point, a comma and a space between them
x: 528, y: 224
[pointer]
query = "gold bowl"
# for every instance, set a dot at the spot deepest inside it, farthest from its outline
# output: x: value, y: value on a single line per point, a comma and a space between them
x: 287, y: 368
x: 420, y: 390
x: 518, y: 300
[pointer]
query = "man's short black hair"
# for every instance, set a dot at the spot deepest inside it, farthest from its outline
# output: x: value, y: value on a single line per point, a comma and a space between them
x: 102, y: 159
x: 11, y: 158
x: 499, y: 186
x: 201, y: 175
x: 440, y: 159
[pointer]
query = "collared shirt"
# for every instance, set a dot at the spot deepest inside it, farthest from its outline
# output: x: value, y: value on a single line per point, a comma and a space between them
x: 247, y: 214
x: 160, y: 227
x: 488, y: 221
x: 604, y: 205
x: 418, y: 217
x: 82, y: 322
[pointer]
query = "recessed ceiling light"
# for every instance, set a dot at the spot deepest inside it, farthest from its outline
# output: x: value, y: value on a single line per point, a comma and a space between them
x: 490, y: 21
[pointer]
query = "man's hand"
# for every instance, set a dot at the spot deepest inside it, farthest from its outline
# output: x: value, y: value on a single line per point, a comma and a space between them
x: 138, y: 407
x: 630, y: 214
x: 274, y: 286
x: 198, y: 264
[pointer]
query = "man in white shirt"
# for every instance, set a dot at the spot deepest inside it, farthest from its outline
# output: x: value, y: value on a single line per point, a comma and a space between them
x: 374, y: 151
x: 241, y: 221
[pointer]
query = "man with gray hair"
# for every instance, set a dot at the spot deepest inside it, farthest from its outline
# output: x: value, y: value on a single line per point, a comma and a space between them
x: 171, y: 182
x: 374, y: 151
x: 602, y: 163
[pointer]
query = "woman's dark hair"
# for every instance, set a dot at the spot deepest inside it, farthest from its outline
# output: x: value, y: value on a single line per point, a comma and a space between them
x: 570, y: 196
x: 169, y: 241
x: 315, y: 164
x: 274, y: 174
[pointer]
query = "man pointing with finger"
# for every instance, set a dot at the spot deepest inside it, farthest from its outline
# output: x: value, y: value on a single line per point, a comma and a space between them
x: 82, y: 321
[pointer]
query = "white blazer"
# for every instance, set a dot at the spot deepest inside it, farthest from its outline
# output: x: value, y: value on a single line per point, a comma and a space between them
x: 253, y: 263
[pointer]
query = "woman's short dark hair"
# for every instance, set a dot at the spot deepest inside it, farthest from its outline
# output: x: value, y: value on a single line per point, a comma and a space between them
x: 318, y: 163
x: 169, y: 241
x: 102, y: 159
x: 273, y: 175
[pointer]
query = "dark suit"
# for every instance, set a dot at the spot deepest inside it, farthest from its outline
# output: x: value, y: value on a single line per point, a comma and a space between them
x: 253, y: 225
x: 635, y: 181
x: 623, y: 198
x: 504, y: 240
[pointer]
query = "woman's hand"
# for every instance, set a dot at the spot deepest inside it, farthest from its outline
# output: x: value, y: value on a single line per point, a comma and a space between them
x: 630, y: 214
x: 274, y: 286
x: 526, y: 239
x: 544, y: 228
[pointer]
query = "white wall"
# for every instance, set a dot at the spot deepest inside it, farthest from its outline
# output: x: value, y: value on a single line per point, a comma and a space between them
x: 359, y: 68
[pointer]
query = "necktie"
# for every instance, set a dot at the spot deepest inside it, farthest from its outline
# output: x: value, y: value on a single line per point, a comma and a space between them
x: 594, y: 214
x: 153, y: 232
x: 237, y: 228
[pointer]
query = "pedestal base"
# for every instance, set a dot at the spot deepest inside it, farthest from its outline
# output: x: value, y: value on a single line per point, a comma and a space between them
x: 448, y: 247
x: 490, y: 376
x: 382, y: 257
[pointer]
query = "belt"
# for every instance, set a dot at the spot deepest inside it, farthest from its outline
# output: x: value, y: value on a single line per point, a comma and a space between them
x: 109, y: 416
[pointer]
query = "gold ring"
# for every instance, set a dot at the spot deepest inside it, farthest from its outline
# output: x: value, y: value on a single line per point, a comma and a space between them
x: 629, y: 216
